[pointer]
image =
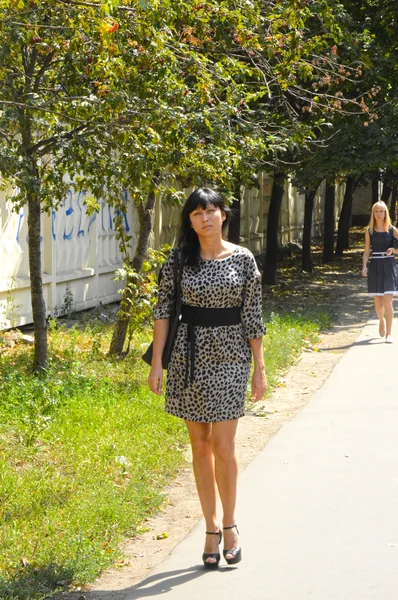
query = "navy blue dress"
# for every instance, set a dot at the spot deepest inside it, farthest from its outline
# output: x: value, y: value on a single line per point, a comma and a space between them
x: 383, y: 270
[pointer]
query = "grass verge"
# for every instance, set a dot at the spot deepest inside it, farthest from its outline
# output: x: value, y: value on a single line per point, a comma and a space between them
x: 287, y: 335
x: 86, y: 451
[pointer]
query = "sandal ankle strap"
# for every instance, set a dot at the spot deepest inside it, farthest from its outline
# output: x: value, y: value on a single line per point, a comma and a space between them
x: 219, y: 533
x: 232, y: 527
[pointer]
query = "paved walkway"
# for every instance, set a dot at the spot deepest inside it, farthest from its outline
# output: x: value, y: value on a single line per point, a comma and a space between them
x: 318, y: 506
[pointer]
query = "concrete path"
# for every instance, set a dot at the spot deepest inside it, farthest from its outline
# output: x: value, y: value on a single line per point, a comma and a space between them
x: 318, y: 506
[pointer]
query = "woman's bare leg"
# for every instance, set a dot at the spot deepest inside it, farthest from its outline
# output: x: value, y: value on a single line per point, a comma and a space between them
x: 379, y: 307
x: 388, y: 312
x: 203, y: 467
x: 226, y: 472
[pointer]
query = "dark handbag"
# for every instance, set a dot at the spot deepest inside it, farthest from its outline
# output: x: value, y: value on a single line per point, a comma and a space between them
x: 174, y: 315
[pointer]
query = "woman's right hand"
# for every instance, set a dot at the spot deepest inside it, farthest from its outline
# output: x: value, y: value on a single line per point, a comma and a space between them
x: 364, y: 272
x: 155, y: 379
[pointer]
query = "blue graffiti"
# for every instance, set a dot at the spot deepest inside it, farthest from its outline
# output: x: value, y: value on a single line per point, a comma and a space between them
x: 69, y: 211
x: 17, y: 237
x: 91, y: 221
x: 126, y: 223
x: 80, y: 230
x: 21, y: 215
x: 102, y: 216
x: 110, y: 218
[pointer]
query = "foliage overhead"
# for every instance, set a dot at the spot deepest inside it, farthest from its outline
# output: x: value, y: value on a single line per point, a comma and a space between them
x: 200, y: 90
x: 360, y: 146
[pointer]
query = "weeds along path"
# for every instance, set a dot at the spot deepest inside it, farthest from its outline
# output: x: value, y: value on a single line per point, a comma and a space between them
x: 340, y: 290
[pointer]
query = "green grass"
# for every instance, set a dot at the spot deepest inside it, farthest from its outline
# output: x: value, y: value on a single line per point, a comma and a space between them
x: 86, y: 451
x: 287, y: 335
x: 84, y: 456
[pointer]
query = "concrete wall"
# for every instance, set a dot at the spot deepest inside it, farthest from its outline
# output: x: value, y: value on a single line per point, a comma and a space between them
x: 78, y: 251
x: 81, y: 252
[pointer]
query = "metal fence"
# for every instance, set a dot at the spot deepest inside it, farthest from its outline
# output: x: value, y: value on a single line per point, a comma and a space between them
x: 80, y: 252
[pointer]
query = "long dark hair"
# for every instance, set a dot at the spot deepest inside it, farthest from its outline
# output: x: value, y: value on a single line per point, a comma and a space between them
x: 187, y: 239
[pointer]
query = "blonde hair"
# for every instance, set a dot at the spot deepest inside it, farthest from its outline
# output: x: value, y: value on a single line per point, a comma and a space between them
x: 387, y: 220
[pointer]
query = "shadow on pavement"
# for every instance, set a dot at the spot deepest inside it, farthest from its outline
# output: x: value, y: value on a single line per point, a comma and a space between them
x: 154, y: 585
x: 369, y: 342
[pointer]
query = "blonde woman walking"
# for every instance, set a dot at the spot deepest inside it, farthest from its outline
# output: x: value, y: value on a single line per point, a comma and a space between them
x: 382, y: 274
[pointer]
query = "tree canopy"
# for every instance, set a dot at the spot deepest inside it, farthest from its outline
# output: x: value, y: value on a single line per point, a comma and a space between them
x: 134, y: 95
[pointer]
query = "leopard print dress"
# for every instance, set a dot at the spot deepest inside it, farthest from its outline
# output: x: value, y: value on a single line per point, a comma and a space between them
x: 223, y: 353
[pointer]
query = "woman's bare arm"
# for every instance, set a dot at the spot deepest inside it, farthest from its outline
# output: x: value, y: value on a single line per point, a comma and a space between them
x: 365, y: 256
x: 155, y: 379
x: 259, y: 379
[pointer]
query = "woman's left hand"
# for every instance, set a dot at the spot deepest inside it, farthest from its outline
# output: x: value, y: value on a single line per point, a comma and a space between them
x: 390, y: 251
x: 259, y: 384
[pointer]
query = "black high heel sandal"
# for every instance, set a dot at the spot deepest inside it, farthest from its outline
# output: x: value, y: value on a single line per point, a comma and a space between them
x: 236, y: 552
x: 216, y: 555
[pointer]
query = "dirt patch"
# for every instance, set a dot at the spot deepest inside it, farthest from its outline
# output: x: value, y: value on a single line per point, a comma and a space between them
x: 341, y: 288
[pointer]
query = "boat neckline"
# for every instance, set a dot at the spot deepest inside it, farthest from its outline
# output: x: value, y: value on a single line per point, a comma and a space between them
x: 219, y: 259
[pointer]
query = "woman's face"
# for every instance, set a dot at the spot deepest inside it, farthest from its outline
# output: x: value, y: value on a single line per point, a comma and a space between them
x: 207, y: 221
x: 379, y: 213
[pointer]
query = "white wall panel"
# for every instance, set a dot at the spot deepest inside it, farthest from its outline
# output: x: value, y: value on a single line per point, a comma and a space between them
x: 79, y: 252
x: 73, y: 233
x: 13, y: 242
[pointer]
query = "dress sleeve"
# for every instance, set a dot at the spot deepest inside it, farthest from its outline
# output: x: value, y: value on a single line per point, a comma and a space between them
x: 252, y: 308
x: 165, y: 297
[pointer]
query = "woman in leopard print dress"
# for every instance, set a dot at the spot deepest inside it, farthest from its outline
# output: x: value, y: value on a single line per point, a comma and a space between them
x: 221, y: 329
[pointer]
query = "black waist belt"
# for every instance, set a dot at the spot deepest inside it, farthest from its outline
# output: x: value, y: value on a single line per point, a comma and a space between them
x: 204, y: 317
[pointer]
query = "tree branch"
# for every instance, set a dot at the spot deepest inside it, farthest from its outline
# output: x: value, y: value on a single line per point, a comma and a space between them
x: 6, y: 137
x: 35, y: 25
x: 93, y: 5
x: 29, y: 70
x: 24, y: 105
x: 46, y: 65
x: 44, y: 146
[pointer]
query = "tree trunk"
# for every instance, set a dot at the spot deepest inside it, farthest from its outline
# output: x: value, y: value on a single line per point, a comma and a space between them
x: 145, y: 213
x: 234, y: 224
x: 375, y: 187
x: 308, y: 212
x: 387, y: 187
x: 393, y: 205
x: 271, y: 255
x: 328, y: 238
x: 36, y: 283
x: 343, y: 231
